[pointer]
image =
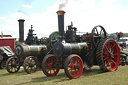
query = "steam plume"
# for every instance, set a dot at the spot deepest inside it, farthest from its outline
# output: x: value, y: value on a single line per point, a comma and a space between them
x: 63, y: 4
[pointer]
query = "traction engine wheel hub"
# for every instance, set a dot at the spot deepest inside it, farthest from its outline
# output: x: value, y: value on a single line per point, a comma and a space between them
x: 111, y: 55
x: 50, y: 65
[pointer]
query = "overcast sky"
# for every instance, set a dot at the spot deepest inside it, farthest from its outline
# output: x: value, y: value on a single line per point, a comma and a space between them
x: 85, y: 14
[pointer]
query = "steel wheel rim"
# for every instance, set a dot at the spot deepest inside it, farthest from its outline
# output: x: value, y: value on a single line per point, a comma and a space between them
x: 75, y: 67
x: 13, y: 65
x: 51, y: 67
x: 111, y: 55
x: 30, y: 65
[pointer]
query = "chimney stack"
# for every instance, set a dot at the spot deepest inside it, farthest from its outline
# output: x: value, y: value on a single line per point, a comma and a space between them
x: 21, y: 30
x: 61, y: 22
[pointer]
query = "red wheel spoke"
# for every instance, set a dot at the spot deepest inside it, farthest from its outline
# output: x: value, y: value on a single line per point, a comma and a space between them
x: 113, y: 48
x: 106, y: 58
x: 75, y: 72
x: 76, y: 62
x: 108, y: 63
x: 113, y: 62
x: 70, y: 62
x: 106, y: 53
x: 106, y: 48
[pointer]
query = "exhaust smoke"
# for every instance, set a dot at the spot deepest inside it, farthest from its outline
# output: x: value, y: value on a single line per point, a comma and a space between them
x: 63, y: 4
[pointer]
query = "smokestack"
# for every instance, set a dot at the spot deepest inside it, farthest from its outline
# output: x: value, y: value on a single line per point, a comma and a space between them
x: 61, y: 22
x: 21, y: 30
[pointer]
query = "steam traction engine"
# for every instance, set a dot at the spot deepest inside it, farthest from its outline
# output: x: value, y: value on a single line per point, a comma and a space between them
x: 29, y: 53
x: 73, y: 52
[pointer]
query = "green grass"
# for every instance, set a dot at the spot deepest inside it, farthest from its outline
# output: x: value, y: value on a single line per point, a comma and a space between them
x: 92, y: 77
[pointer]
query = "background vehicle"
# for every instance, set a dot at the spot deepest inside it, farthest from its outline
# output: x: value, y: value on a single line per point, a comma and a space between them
x: 123, y: 42
x: 7, y: 45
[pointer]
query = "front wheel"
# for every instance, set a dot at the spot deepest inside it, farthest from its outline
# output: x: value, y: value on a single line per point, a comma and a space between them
x: 73, y: 66
x: 50, y: 65
x: 12, y: 65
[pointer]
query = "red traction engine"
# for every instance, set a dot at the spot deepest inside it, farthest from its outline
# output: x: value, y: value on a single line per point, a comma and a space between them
x: 73, y: 52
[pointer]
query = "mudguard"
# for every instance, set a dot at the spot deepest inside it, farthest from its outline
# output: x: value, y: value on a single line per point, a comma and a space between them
x: 6, y: 50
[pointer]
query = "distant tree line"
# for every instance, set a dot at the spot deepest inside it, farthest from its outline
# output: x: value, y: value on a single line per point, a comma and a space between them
x: 125, y: 34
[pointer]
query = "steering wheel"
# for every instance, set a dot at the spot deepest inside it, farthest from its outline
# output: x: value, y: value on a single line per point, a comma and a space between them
x: 98, y: 33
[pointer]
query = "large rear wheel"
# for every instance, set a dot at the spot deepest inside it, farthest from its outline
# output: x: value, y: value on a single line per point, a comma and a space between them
x: 73, y: 66
x: 108, y: 55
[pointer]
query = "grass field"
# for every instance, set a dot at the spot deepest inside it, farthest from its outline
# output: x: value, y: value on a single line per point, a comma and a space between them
x: 92, y: 77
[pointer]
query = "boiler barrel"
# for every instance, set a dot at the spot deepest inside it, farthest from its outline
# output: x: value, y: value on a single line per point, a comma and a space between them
x: 63, y: 49
x: 24, y: 50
